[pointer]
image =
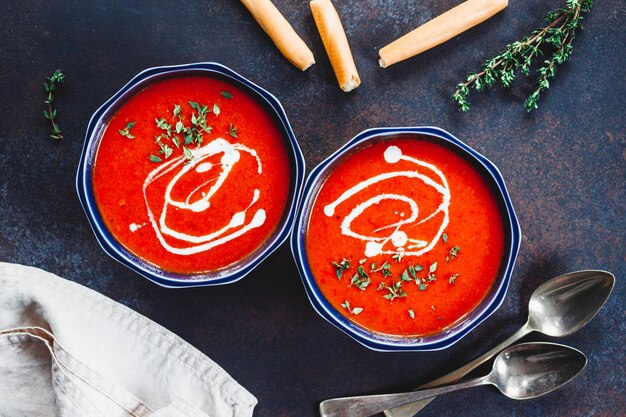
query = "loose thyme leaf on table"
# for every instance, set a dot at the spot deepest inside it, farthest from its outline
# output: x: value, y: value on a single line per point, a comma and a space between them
x: 556, y: 38
x: 50, y: 85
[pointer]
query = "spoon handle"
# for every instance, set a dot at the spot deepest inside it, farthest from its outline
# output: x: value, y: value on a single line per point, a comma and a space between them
x: 409, y: 410
x: 367, y: 405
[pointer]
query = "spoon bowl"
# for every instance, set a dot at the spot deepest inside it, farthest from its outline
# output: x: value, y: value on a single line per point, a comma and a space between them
x: 563, y: 305
x: 530, y: 370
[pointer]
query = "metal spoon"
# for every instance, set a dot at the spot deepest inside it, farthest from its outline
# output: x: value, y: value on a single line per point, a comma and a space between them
x: 520, y: 372
x: 559, y: 307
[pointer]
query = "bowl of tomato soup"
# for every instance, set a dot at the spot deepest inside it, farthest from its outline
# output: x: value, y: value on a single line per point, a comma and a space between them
x: 406, y: 239
x: 190, y: 175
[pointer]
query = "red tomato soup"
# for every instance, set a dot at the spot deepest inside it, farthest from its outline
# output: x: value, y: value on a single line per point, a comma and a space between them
x: 191, y: 175
x: 405, y: 237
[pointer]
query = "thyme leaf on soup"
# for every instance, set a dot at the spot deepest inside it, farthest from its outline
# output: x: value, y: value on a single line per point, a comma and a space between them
x: 187, y: 153
x: 411, y: 313
x: 166, y: 150
x: 355, y: 310
x: 431, y: 272
x: 216, y: 109
x: 126, y: 132
x: 360, y: 282
x: 444, y: 237
x: 163, y: 125
x: 454, y: 252
x: 398, y: 256
x: 405, y: 276
x: 232, y: 130
x: 394, y: 291
x: 155, y: 159
x: 226, y: 94
x: 385, y: 268
x: 453, y: 278
x: 414, y: 269
x: 340, y: 267
x: 361, y: 279
x: 176, y: 110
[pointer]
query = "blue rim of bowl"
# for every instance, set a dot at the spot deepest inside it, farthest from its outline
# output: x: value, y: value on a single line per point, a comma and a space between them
x: 390, y: 343
x: 114, y: 249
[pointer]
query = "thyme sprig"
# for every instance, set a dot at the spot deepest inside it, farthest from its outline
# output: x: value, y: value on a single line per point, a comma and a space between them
x: 50, y: 85
x: 395, y: 291
x: 360, y: 279
x: 557, y: 36
x: 355, y: 310
x: 340, y: 267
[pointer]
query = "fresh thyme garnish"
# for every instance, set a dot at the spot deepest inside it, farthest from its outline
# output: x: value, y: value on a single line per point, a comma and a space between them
x: 226, y: 94
x: 398, y: 256
x: 163, y: 125
x: 411, y: 313
x: 384, y: 268
x: 177, y: 132
x: 361, y: 279
x: 355, y: 310
x: 413, y: 270
x: 126, y: 132
x: 556, y: 37
x: 340, y: 267
x: 454, y: 252
x: 444, y: 237
x: 216, y: 109
x: 50, y: 85
x: 405, y: 276
x: 166, y: 150
x: 422, y: 286
x: 453, y: 278
x: 187, y: 153
x: 395, y: 291
x: 431, y: 272
x: 232, y: 130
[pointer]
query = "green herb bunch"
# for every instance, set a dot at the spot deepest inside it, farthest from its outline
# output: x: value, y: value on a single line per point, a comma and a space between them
x: 50, y: 85
x: 556, y: 37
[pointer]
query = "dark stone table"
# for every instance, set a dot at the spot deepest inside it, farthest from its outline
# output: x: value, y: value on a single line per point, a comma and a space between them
x: 564, y: 166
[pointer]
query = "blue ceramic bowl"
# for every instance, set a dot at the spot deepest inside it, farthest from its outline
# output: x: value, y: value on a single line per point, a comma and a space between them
x: 96, y: 128
x: 381, y: 342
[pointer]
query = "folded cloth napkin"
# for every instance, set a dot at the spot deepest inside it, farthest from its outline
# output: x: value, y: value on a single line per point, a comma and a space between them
x: 68, y: 351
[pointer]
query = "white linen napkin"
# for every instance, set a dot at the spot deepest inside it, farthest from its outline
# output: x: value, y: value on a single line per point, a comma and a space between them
x: 68, y: 351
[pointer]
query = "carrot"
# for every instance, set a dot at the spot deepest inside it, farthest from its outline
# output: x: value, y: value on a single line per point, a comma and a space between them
x: 438, y: 30
x: 280, y: 31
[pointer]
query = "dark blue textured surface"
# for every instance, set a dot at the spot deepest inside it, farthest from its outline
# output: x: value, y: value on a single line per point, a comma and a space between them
x: 565, y: 167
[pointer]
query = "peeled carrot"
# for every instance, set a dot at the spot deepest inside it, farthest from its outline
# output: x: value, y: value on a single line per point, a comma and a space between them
x: 438, y: 30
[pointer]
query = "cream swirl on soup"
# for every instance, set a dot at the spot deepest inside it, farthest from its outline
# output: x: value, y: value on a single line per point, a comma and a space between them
x: 402, y: 235
x: 210, y: 168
